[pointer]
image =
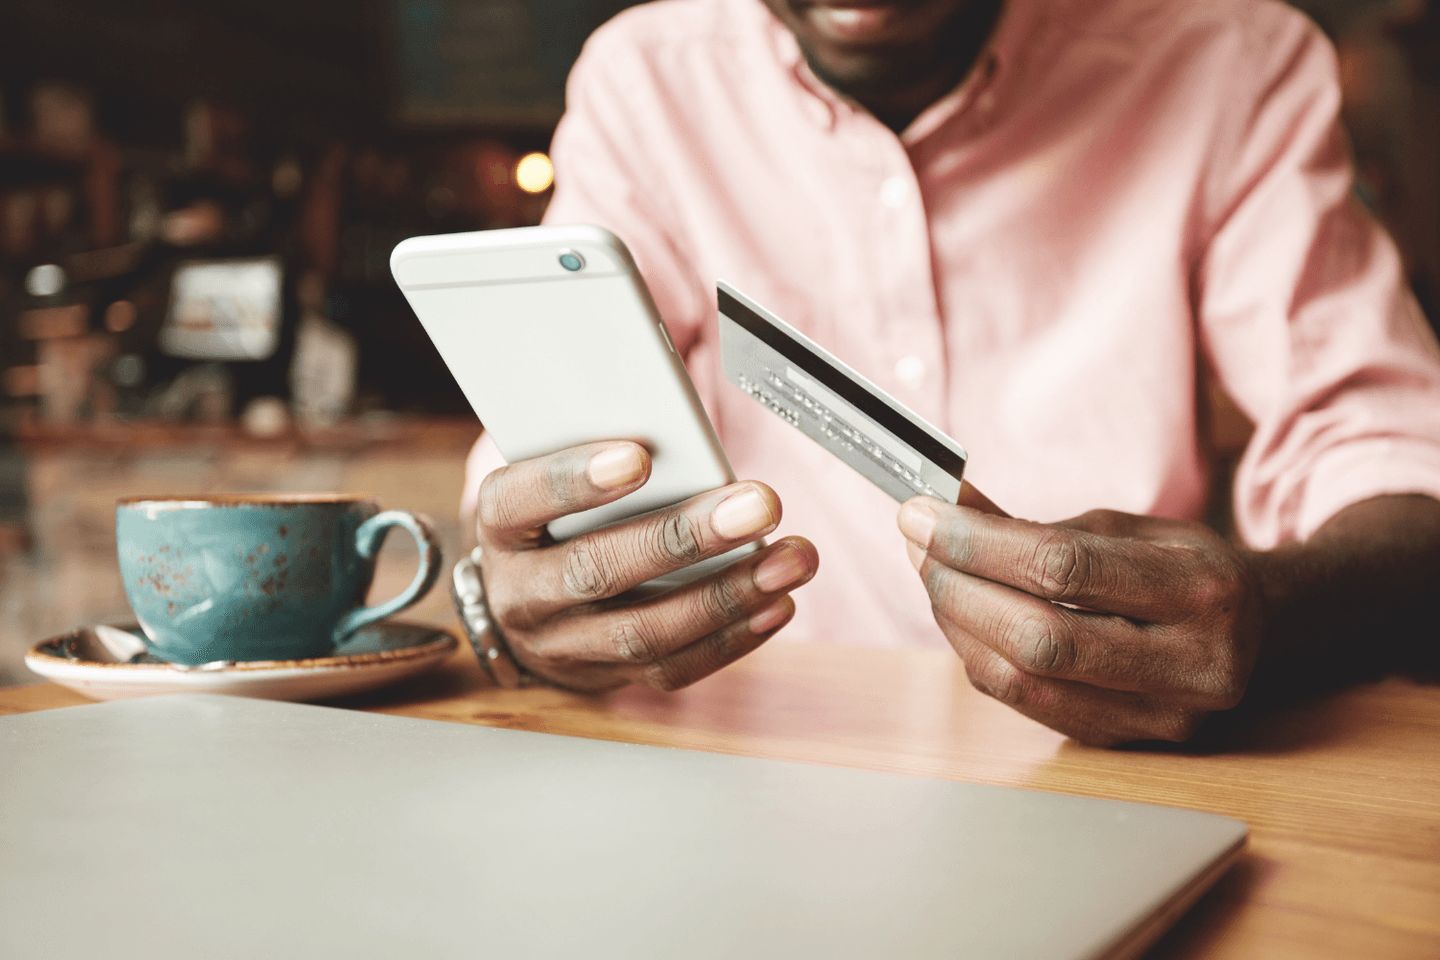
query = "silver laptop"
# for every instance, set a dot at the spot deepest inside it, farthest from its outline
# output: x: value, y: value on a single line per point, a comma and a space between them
x: 217, y: 827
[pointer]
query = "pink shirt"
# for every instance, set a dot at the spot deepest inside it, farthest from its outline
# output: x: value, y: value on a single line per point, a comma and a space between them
x: 1121, y: 190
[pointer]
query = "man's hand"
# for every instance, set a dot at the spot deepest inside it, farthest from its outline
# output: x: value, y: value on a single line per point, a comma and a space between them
x: 1108, y: 627
x: 557, y: 603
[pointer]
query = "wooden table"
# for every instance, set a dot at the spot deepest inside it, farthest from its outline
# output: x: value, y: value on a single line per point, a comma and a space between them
x: 1342, y: 795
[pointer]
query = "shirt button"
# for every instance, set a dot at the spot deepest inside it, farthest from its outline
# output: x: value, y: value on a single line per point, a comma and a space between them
x: 910, y: 371
x: 893, y: 192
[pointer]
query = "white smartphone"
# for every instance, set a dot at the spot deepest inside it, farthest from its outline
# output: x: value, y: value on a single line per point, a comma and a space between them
x: 555, y: 341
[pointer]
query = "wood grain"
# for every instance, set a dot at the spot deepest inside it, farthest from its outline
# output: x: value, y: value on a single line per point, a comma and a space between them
x: 1342, y: 794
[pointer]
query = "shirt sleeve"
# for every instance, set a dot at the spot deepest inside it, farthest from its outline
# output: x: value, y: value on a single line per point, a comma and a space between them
x: 604, y: 175
x: 1303, y: 307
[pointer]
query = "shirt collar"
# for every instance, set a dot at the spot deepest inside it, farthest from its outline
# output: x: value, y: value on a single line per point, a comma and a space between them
x: 999, y: 59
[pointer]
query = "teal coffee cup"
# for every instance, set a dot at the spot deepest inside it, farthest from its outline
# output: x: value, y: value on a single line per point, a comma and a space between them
x: 264, y: 577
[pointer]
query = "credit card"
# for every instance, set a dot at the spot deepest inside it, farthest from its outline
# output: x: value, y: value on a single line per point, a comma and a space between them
x: 830, y: 403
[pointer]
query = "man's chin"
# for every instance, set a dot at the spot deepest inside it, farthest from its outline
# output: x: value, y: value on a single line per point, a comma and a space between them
x: 864, y: 75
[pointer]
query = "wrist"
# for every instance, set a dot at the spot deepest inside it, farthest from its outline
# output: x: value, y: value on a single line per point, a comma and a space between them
x: 1354, y: 601
x: 1286, y: 579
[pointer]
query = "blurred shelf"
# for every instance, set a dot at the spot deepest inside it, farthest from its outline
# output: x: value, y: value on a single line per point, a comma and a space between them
x: 455, y: 434
x: 21, y: 162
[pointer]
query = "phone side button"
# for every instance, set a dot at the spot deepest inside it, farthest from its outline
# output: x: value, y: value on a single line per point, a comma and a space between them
x: 666, y: 334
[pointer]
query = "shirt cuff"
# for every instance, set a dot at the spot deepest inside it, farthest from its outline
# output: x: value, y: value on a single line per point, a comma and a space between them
x: 1359, y: 470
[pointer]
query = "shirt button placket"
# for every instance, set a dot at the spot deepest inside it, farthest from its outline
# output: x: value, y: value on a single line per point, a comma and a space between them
x: 910, y: 371
x: 909, y: 294
x: 893, y: 192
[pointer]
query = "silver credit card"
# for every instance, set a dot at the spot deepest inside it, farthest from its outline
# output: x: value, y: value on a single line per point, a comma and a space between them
x: 833, y: 405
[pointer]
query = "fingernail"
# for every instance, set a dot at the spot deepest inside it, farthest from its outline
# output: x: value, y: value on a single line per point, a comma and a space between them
x: 917, y: 522
x: 741, y: 514
x: 781, y: 569
x: 773, y: 616
x: 615, y: 466
x: 917, y: 556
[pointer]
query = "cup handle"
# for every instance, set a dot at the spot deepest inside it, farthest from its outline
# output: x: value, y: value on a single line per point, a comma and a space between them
x: 368, y: 538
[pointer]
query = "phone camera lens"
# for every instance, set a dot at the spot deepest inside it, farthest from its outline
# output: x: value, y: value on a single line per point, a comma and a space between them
x: 571, y: 261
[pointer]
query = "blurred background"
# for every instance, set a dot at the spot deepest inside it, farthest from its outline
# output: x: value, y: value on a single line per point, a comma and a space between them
x: 197, y: 206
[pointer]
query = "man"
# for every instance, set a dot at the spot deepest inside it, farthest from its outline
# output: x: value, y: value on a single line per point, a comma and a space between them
x: 1034, y: 223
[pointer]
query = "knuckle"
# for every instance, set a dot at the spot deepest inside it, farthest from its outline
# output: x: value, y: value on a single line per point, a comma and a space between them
x: 632, y: 642
x: 724, y: 600
x: 493, y: 509
x: 678, y: 540
x: 561, y: 484
x: 1215, y: 595
x: 1061, y: 567
x: 1043, y: 646
x: 1000, y: 681
x: 586, y: 571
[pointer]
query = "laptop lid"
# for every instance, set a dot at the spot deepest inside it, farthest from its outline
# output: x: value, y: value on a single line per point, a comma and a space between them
x: 191, y: 826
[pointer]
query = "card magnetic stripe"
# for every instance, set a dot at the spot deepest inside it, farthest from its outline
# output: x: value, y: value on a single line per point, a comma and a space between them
x: 947, y: 466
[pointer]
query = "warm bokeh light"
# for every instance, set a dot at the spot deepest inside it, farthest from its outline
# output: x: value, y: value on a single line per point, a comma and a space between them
x: 534, y: 173
x: 120, y: 316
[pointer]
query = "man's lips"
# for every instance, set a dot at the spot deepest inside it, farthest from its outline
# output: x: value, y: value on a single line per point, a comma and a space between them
x: 851, y: 24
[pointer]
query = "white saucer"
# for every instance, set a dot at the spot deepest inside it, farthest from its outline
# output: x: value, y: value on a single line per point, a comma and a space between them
x: 376, y: 655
